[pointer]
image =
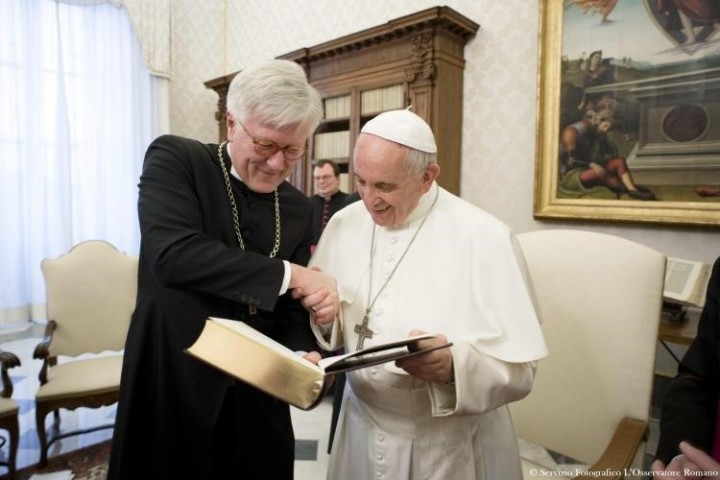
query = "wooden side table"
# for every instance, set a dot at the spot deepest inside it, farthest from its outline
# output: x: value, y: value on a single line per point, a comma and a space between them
x: 681, y: 332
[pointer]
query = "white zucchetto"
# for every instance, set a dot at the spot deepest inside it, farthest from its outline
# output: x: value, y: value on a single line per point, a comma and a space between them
x: 403, y: 127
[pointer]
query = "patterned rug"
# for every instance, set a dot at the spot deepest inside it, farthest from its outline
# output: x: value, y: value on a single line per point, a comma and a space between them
x: 89, y: 463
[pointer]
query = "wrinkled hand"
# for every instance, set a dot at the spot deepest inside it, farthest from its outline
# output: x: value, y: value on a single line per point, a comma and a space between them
x: 317, y: 291
x: 435, y: 366
x: 691, y: 460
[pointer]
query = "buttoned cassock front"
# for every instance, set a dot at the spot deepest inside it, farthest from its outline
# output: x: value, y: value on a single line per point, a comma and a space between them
x: 464, y: 276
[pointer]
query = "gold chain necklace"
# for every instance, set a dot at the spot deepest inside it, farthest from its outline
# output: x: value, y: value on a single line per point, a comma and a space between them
x: 362, y: 328
x: 233, y: 206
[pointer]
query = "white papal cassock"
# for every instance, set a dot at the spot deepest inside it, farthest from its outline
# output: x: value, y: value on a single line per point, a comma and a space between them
x: 464, y: 276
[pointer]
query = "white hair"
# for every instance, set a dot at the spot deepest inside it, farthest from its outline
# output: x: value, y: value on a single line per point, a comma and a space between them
x: 418, y: 161
x: 277, y: 94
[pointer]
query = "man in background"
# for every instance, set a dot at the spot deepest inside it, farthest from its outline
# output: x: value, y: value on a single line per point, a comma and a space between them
x: 328, y: 197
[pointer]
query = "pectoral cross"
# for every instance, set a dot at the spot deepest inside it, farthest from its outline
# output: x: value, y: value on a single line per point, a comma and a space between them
x: 363, y: 331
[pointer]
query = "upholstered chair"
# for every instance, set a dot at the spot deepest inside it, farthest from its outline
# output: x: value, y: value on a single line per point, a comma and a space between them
x: 600, y: 299
x: 91, y: 294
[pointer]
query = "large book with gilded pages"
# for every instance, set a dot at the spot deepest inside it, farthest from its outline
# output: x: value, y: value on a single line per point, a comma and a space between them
x: 246, y: 354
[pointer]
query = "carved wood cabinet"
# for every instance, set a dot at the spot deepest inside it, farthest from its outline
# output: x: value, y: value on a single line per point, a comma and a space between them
x: 413, y: 60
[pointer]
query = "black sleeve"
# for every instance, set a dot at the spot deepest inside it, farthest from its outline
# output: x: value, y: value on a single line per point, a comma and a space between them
x: 189, y: 246
x: 689, y: 410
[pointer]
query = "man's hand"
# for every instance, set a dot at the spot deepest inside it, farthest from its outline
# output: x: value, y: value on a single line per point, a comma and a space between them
x: 702, y: 461
x: 674, y: 470
x: 435, y: 366
x: 688, y: 465
x: 313, y: 357
x: 318, y: 292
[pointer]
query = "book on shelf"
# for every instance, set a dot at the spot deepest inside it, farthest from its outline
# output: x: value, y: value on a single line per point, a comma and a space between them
x: 345, y: 182
x: 381, y: 99
x: 686, y: 282
x: 332, y: 144
x: 248, y: 355
x: 337, y: 107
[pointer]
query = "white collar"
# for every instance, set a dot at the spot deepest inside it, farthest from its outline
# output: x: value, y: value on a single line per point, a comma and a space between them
x: 422, y: 208
x: 235, y: 174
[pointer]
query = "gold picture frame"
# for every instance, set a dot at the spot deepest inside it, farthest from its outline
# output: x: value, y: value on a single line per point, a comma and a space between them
x: 681, y: 157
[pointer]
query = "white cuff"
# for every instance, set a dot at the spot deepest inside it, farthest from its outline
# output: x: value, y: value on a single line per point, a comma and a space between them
x: 286, y: 278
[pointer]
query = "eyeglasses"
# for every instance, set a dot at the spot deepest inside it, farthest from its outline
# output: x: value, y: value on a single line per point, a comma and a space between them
x: 268, y: 148
x: 323, y: 177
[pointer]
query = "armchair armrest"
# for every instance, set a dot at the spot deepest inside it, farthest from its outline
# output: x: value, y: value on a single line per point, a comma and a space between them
x: 8, y: 360
x: 621, y: 450
x: 42, y: 350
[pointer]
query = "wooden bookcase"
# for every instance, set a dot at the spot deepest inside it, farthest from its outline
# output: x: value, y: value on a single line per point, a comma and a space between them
x: 413, y: 60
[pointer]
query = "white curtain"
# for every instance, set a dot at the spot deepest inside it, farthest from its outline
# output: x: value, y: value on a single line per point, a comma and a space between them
x: 77, y: 111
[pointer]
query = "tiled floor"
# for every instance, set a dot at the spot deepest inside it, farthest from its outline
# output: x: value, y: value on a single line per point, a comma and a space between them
x: 311, y: 428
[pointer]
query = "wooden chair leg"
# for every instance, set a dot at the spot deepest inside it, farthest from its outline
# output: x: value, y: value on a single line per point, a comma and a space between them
x: 56, y: 419
x: 14, y: 435
x: 40, y: 414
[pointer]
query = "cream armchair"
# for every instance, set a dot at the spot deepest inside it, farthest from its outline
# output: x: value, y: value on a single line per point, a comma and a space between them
x: 90, y: 298
x: 600, y: 298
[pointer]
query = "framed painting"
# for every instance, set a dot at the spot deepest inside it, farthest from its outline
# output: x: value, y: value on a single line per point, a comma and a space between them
x: 629, y: 111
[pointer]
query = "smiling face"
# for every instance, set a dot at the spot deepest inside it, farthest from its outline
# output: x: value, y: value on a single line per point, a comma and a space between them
x: 387, y: 185
x: 261, y: 172
x: 326, y: 183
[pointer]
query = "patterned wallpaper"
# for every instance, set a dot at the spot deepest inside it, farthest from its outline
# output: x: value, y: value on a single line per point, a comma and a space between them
x: 500, y: 90
x: 197, y: 32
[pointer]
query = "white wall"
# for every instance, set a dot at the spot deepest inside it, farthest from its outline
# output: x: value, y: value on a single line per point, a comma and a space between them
x: 500, y: 91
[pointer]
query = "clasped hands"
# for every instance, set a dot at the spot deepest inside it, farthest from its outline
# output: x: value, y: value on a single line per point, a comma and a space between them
x: 317, y: 291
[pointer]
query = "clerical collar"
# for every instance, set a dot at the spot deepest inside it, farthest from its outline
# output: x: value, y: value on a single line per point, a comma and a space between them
x: 233, y: 172
x: 329, y: 197
x: 422, y: 208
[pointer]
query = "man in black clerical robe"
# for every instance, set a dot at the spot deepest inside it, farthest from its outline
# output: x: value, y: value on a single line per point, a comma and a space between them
x: 170, y: 401
x: 223, y: 234
x: 328, y: 197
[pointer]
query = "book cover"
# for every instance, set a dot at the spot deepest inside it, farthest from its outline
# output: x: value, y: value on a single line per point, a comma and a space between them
x: 246, y: 354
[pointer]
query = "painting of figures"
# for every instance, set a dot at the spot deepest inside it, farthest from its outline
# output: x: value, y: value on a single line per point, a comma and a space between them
x: 629, y: 111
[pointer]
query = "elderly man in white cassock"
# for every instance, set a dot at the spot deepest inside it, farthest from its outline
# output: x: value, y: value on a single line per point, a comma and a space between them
x: 411, y: 258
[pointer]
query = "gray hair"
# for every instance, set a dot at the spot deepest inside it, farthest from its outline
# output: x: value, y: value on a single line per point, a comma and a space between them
x: 277, y: 94
x: 417, y: 160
